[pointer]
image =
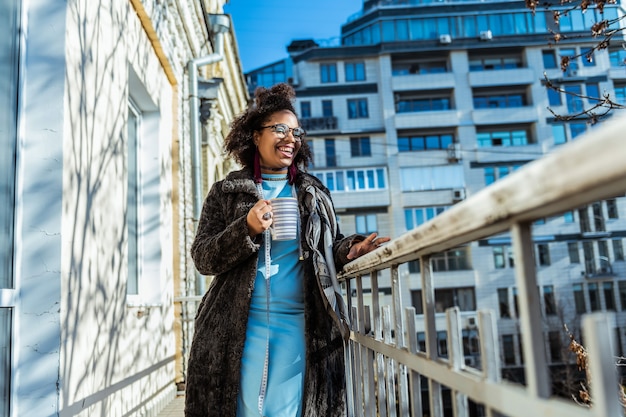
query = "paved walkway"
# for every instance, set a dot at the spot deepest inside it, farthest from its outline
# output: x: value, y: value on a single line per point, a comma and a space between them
x: 174, y: 409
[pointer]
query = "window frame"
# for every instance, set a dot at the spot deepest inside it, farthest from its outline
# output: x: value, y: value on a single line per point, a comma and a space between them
x: 328, y: 73
x: 360, y: 146
x: 358, y: 108
x: 355, y: 71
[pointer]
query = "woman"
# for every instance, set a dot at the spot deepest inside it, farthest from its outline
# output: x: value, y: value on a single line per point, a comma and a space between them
x: 269, y: 346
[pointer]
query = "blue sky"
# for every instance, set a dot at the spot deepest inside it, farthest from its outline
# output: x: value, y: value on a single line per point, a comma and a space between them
x: 264, y: 28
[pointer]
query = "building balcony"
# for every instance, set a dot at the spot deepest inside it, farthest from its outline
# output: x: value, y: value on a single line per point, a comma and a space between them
x: 427, y: 119
x: 314, y: 125
x: 412, y: 82
x: 509, y: 115
x: 517, y: 76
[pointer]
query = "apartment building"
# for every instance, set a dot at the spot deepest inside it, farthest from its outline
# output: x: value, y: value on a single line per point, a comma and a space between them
x: 426, y: 103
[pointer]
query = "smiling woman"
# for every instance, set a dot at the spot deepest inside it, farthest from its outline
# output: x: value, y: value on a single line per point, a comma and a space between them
x: 270, y: 331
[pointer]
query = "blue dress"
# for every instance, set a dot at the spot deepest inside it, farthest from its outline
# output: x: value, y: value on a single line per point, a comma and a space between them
x: 287, y: 350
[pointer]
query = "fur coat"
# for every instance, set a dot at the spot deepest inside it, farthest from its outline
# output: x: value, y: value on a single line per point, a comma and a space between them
x: 223, y: 248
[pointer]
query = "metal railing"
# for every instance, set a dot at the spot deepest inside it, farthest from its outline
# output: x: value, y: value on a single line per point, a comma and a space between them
x: 384, y: 365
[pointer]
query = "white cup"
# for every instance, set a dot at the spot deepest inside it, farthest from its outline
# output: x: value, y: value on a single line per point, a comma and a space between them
x: 284, y: 218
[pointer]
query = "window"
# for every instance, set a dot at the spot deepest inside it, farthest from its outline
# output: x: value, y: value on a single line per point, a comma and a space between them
x: 327, y: 108
x: 366, y: 224
x: 357, y: 108
x: 455, y: 297
x: 513, y: 137
x: 414, y: 217
x: 617, y: 57
x: 508, y: 349
x: 588, y: 58
x: 575, y: 103
x: 355, y: 71
x: 442, y: 344
x: 566, y: 132
x: 554, y: 97
x: 416, y: 300
x: 543, y: 254
x: 618, y: 250
x: 360, y: 146
x: 598, y: 217
x: 134, y: 198
x: 410, y: 66
x: 494, y: 100
x: 572, y: 250
x: 621, y: 288
x: 269, y: 75
x: 609, y: 295
x: 554, y: 342
x: 503, y: 302
x: 353, y: 179
x: 549, y: 59
x: 423, y: 142
x: 410, y: 105
x: 503, y: 257
x: 611, y: 209
x: 331, y: 152
x: 620, y: 93
x: 328, y: 73
x: 452, y: 260
x: 488, y: 63
x: 143, y: 159
x: 594, y: 296
x: 579, y: 299
x: 492, y: 174
x: 568, y: 55
x: 305, y: 109
x: 549, y: 303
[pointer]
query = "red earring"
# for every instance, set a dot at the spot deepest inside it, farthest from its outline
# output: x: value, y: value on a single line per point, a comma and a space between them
x: 291, y: 173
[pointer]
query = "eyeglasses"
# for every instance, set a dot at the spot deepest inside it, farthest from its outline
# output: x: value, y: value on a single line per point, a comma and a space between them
x: 282, y: 130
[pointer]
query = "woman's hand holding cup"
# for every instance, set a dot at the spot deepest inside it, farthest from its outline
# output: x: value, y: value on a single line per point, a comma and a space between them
x: 259, y: 217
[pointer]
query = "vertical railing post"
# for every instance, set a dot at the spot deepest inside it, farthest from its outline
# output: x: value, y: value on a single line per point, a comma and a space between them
x: 456, y: 357
x: 389, y: 374
x: 428, y: 304
x: 489, y: 349
x: 349, y: 355
x: 598, y: 329
x: 415, y: 385
x: 369, y: 385
x: 401, y: 372
x: 536, y: 366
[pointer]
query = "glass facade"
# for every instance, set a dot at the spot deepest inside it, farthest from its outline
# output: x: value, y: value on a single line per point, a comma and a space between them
x: 501, y: 23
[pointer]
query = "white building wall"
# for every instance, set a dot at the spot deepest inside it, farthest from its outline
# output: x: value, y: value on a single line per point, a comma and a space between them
x: 117, y: 350
x: 81, y: 346
x: 39, y: 205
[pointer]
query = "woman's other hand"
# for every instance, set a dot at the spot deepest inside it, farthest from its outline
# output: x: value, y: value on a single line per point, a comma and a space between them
x: 365, y: 246
x: 259, y: 217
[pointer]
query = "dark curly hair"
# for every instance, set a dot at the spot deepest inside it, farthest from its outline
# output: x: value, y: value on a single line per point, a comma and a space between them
x: 240, y: 144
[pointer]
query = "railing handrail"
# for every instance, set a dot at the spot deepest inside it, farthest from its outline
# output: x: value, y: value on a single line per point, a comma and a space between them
x: 384, y: 366
x: 591, y: 168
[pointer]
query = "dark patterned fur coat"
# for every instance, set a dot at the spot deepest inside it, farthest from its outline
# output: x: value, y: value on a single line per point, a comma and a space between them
x: 223, y: 248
